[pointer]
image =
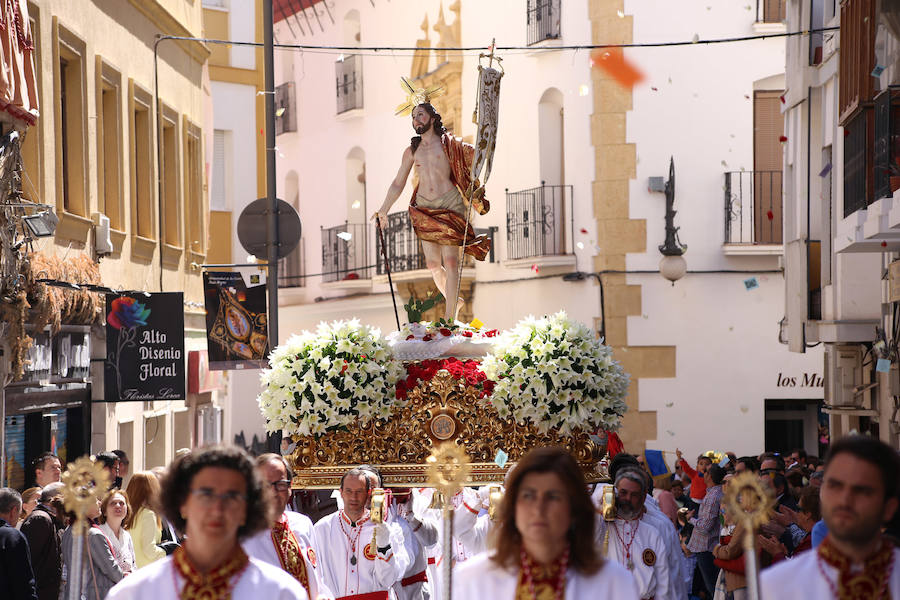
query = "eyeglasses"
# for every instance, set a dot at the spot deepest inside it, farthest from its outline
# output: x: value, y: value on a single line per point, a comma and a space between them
x: 768, y: 472
x: 208, y: 498
x: 281, y: 485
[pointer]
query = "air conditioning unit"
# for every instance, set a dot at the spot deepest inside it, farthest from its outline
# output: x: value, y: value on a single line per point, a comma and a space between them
x: 102, y: 241
x: 845, y: 387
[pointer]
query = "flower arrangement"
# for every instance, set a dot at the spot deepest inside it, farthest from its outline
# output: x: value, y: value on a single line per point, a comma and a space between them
x: 425, y: 370
x: 556, y: 374
x: 324, y: 381
x: 426, y: 331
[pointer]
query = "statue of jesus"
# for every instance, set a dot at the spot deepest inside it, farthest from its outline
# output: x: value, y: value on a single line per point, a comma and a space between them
x: 438, y: 205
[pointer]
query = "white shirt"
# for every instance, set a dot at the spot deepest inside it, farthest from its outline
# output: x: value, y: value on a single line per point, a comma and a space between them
x: 262, y: 547
x: 160, y: 581
x: 350, y: 561
x: 122, y: 546
x: 802, y: 577
x: 481, y: 578
x: 417, y: 565
x: 639, y: 547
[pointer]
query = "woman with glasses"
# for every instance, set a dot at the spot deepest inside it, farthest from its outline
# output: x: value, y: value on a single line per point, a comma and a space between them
x: 543, y: 540
x: 143, y: 523
x: 217, y: 498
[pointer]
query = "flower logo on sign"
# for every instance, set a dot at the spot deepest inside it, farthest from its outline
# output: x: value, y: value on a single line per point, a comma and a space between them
x: 126, y: 315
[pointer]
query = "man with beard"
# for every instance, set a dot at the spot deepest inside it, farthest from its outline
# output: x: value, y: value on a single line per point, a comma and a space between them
x: 439, y: 204
x: 858, y: 496
x: 635, y: 543
x: 290, y: 542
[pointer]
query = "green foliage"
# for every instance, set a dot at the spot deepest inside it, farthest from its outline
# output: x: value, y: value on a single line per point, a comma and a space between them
x: 415, y: 307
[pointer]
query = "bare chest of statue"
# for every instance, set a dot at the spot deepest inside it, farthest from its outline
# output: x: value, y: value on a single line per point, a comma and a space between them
x: 433, y: 170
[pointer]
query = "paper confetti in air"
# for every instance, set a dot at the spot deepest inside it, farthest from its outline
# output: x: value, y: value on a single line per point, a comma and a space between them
x: 670, y: 432
x: 654, y: 89
x: 583, y: 230
x: 782, y: 138
x: 670, y: 404
x: 825, y: 170
x: 725, y: 460
x: 724, y: 164
x: 781, y: 97
x: 621, y: 14
x: 877, y: 71
x: 770, y: 215
x: 345, y: 235
x: 751, y: 283
x: 883, y: 365
x: 612, y: 62
x: 745, y: 409
x: 535, y: 268
x: 501, y: 458
x: 580, y: 245
x: 695, y: 39
x: 279, y: 112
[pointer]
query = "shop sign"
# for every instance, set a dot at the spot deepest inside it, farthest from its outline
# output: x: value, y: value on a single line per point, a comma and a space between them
x: 144, y: 347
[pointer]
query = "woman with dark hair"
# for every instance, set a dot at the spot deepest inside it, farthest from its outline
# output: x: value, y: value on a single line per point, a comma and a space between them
x: 217, y: 498
x: 543, y: 540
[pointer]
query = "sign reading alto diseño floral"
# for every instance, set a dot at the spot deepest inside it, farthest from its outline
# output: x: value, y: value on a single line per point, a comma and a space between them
x: 144, y: 347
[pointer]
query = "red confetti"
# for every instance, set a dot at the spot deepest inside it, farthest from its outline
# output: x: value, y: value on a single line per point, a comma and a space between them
x: 782, y: 98
x: 747, y: 96
x: 782, y: 138
x: 612, y: 61
x: 846, y: 132
x: 260, y: 132
x: 534, y: 268
x: 770, y: 214
x: 583, y: 230
x: 884, y: 244
x: 654, y: 89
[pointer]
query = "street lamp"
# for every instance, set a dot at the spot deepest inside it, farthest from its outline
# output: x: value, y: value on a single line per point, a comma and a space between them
x: 672, y: 266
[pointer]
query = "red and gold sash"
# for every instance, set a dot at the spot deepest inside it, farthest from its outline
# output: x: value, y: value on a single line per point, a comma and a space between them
x: 289, y: 553
x: 869, y: 583
x: 215, y: 585
x: 541, y: 582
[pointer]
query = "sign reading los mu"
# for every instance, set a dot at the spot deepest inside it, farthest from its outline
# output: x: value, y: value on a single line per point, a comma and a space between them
x: 807, y: 380
x: 144, y: 347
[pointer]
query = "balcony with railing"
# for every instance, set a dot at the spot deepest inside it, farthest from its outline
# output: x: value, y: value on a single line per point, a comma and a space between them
x: 345, y: 255
x: 539, y: 225
x: 753, y: 212
x: 348, y: 83
x: 543, y: 20
x: 404, y: 251
x: 285, y: 108
x: 292, y: 268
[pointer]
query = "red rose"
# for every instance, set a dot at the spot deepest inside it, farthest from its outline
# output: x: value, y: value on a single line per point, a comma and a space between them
x: 491, y: 333
x: 427, y: 337
x: 467, y: 334
x: 410, y: 336
x: 344, y: 368
x: 446, y: 332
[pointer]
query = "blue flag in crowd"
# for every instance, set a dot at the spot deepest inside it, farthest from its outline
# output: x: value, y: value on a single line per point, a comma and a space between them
x: 656, y: 463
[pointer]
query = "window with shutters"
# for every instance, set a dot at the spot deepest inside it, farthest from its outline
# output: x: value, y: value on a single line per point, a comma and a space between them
x: 33, y: 142
x: 859, y: 156
x: 857, y: 57
x: 194, y: 201
x: 768, y: 156
x: 219, y: 194
x: 169, y: 147
x: 110, y: 184
x: 140, y: 128
x: 770, y: 11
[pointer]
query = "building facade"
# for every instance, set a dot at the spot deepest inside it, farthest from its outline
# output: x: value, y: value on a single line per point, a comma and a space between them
x: 840, y: 223
x: 119, y: 153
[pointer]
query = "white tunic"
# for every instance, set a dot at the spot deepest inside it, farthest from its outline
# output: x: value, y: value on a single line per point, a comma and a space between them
x: 418, y: 564
x: 349, y: 562
x: 160, y: 581
x: 482, y: 578
x: 678, y: 564
x: 262, y: 547
x: 647, y: 559
x: 801, y: 577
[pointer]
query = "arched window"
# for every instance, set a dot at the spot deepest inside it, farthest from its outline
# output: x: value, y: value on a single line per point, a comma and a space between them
x: 292, y: 268
x: 550, y: 137
x: 356, y: 185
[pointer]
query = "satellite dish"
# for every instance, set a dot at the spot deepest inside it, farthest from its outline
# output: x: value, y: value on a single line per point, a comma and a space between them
x: 252, y: 228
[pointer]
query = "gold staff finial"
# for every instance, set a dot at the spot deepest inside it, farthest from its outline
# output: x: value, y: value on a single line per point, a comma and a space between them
x: 86, y: 482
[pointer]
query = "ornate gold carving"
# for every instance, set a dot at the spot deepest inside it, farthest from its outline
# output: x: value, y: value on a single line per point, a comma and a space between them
x: 748, y: 501
x: 86, y: 482
x: 401, y: 445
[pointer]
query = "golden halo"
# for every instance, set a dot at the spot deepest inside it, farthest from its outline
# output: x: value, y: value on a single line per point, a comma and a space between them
x: 448, y: 468
x: 86, y: 482
x: 416, y: 96
x: 748, y: 501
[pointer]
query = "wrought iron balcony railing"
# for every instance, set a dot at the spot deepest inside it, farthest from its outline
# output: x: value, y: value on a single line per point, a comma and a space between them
x: 348, y: 83
x: 292, y: 268
x: 285, y: 108
x: 543, y: 20
x: 344, y: 253
x: 404, y: 251
x: 539, y: 222
x: 753, y: 207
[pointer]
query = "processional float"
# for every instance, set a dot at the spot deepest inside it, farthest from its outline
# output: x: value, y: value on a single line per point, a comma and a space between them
x: 443, y: 404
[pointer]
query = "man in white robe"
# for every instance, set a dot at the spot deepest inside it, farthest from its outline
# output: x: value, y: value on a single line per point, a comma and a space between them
x: 359, y: 558
x: 635, y: 543
x: 653, y: 516
x: 858, y: 496
x: 293, y: 530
